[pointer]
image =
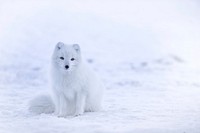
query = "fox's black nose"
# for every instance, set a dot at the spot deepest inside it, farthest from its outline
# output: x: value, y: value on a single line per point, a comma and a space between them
x: 66, y: 66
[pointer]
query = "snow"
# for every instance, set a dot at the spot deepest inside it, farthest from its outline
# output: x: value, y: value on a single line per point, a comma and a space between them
x: 145, y: 52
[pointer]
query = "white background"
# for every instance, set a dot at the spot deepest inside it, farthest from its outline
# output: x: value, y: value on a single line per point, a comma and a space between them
x: 145, y: 52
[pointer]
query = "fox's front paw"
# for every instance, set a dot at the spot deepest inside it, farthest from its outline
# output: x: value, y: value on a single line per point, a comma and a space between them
x: 77, y: 114
x: 60, y: 114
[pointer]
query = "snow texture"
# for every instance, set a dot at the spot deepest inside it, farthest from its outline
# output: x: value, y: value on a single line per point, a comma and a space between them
x: 145, y: 52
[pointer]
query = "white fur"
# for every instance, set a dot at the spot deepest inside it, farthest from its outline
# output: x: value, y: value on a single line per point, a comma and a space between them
x: 76, y: 89
x: 42, y: 104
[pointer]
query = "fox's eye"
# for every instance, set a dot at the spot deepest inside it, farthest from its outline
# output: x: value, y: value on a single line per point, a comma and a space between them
x: 72, y: 59
x: 62, y: 58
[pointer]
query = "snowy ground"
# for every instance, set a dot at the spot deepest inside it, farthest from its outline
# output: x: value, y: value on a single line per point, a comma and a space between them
x: 146, y: 53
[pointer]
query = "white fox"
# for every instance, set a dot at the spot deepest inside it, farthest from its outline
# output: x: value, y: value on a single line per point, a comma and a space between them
x: 75, y: 89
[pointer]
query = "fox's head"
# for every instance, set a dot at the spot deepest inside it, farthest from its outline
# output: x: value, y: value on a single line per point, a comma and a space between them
x: 66, y: 58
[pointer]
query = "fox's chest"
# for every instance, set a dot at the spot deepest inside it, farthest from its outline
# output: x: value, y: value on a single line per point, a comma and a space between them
x: 71, y: 87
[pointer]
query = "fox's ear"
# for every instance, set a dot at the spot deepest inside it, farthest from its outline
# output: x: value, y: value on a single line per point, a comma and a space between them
x: 76, y: 47
x: 59, y: 45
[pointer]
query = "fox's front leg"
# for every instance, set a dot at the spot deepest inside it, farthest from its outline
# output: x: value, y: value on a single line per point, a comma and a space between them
x: 79, y: 104
x: 56, y: 99
x: 60, y: 105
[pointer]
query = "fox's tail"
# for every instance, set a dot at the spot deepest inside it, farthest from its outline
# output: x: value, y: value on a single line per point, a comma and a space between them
x: 42, y: 104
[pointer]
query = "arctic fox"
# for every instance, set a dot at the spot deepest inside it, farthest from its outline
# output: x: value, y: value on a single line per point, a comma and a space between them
x: 75, y: 89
